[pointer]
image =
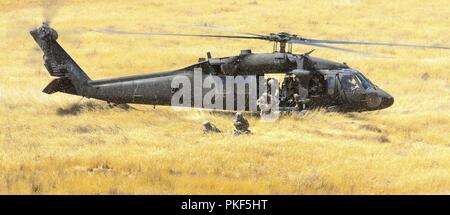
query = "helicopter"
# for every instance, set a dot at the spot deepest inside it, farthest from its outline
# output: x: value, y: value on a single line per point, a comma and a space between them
x: 309, y: 82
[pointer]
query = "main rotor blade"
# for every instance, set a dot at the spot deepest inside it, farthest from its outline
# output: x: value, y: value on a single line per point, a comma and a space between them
x: 224, y: 29
x: 328, y: 47
x: 375, y: 43
x: 182, y: 35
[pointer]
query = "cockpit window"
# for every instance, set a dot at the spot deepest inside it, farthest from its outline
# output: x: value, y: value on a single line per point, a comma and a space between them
x: 350, y: 82
x: 364, y: 81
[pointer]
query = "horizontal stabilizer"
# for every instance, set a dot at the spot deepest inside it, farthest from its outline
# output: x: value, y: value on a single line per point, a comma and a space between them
x: 60, y: 85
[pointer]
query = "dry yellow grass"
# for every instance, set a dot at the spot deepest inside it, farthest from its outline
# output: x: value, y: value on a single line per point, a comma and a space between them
x: 59, y: 144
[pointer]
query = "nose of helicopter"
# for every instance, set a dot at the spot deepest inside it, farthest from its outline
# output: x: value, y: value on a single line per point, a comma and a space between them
x: 386, y: 100
x: 379, y: 99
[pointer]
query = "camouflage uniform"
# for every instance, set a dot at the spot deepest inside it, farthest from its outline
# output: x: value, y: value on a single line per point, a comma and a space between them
x: 209, y: 127
x: 240, y: 125
x: 263, y: 104
x: 267, y: 104
x: 272, y: 82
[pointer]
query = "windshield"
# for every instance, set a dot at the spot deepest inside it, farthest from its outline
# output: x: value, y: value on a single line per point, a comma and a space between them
x: 364, y: 81
x: 350, y: 82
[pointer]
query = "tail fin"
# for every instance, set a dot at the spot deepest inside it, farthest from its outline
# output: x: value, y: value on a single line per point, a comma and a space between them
x: 72, y: 79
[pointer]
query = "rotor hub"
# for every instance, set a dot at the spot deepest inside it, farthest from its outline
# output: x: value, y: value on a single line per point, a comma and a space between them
x: 282, y: 37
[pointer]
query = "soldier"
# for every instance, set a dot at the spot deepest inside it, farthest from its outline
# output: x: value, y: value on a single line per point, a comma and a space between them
x: 267, y: 104
x: 289, y: 88
x: 209, y: 127
x: 272, y: 83
x: 317, y: 85
x: 263, y: 104
x: 301, y: 100
x: 349, y: 83
x: 240, y: 125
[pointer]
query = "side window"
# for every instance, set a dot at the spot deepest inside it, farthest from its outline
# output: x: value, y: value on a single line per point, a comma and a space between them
x: 331, y: 84
x: 350, y: 82
x: 278, y: 61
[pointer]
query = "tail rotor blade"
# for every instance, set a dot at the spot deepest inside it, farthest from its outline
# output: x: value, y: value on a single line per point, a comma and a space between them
x: 50, y: 9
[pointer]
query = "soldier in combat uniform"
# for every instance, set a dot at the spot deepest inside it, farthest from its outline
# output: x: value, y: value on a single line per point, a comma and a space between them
x: 268, y: 104
x: 240, y: 125
x: 209, y: 127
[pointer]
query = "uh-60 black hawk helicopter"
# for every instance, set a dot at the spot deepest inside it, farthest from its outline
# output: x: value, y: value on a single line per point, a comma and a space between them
x: 310, y: 81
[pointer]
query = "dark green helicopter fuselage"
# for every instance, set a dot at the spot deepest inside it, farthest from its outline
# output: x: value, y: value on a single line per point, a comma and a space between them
x: 323, y: 83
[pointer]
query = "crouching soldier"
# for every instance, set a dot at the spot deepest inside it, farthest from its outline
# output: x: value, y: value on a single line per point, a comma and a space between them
x: 240, y: 125
x: 209, y: 127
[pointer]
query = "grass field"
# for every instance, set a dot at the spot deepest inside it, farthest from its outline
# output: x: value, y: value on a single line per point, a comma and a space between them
x: 60, y: 144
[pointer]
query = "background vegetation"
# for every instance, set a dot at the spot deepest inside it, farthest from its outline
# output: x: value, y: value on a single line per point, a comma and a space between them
x: 66, y: 145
